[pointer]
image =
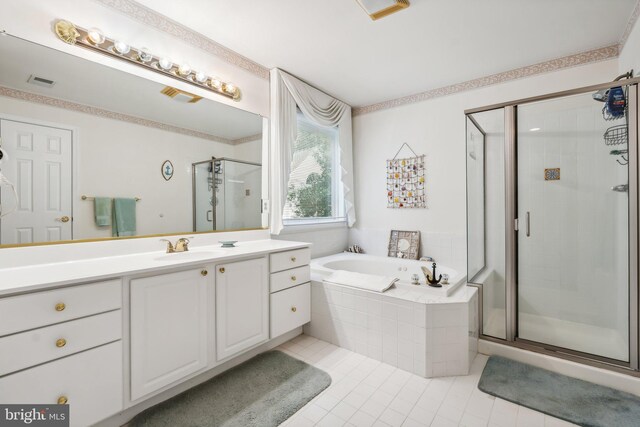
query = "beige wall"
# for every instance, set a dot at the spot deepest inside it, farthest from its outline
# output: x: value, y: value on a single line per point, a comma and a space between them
x: 436, y: 128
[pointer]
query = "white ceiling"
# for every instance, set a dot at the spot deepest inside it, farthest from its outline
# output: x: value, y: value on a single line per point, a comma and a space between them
x: 335, y: 46
x: 90, y: 83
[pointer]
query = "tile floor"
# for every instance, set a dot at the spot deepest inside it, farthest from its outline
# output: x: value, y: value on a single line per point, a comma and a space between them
x: 366, y: 392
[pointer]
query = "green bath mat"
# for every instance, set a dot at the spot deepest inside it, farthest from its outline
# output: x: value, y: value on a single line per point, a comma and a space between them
x: 263, y: 391
x: 579, y: 402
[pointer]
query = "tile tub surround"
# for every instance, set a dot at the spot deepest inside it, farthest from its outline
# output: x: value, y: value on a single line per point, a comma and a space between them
x: 429, y: 337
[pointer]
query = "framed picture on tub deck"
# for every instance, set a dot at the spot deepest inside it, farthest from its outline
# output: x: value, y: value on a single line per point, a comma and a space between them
x: 404, y: 244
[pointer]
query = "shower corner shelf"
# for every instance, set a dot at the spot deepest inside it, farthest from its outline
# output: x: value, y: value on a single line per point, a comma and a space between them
x: 616, y: 135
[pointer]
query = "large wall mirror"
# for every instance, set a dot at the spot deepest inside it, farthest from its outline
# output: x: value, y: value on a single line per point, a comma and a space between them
x: 94, y: 152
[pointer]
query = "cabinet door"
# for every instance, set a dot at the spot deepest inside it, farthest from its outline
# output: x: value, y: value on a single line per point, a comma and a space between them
x: 242, y: 306
x: 168, y: 329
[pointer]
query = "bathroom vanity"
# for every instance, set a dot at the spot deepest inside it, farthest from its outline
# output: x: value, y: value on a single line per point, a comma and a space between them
x: 105, y: 334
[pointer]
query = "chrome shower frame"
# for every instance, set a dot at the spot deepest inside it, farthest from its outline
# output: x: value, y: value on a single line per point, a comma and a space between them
x: 511, y: 290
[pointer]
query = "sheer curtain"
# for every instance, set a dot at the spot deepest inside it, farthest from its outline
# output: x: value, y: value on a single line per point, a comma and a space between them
x: 287, y: 92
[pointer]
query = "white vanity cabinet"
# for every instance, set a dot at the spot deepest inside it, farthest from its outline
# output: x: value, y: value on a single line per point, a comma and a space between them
x: 169, y: 328
x: 242, y: 306
x: 290, y: 298
x: 107, y: 344
x: 64, y: 346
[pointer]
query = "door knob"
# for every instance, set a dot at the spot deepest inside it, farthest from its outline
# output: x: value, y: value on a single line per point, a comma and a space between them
x: 63, y: 219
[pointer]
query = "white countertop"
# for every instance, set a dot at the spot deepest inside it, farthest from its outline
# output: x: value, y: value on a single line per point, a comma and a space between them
x: 43, y: 276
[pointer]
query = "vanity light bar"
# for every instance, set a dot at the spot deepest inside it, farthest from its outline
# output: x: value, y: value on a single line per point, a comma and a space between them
x: 93, y: 39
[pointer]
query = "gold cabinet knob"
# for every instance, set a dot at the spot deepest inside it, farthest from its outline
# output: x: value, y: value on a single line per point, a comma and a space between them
x: 293, y: 259
x: 294, y: 309
x: 61, y: 342
x: 62, y: 400
x: 63, y: 219
x: 204, y: 272
x: 293, y: 278
x: 60, y: 306
x: 221, y: 269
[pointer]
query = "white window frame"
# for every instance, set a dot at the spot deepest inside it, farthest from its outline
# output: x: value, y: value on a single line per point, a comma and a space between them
x: 337, y: 194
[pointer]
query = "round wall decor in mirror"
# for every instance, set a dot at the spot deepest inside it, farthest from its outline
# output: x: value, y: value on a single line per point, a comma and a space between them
x: 167, y: 170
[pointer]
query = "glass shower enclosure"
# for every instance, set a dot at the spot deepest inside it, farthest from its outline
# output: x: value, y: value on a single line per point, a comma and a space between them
x: 226, y: 194
x: 552, y: 222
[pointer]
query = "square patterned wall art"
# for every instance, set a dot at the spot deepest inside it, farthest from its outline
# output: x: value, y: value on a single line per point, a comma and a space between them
x: 405, y: 183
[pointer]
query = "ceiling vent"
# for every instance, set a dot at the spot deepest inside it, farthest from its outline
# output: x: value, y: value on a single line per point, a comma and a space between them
x: 377, y: 9
x: 40, y: 81
x: 180, y: 95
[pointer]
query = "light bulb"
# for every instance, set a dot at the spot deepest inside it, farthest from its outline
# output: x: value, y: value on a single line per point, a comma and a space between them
x: 165, y: 64
x: 144, y: 55
x: 201, y: 77
x: 216, y: 83
x: 95, y: 36
x: 121, y: 47
x: 230, y: 88
x: 184, y: 69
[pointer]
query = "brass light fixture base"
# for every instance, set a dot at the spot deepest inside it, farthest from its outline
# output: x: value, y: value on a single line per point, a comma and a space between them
x: 66, y: 31
x: 396, y: 6
x: 78, y: 36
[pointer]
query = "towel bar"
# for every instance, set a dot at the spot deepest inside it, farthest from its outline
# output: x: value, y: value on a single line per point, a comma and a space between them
x: 92, y: 198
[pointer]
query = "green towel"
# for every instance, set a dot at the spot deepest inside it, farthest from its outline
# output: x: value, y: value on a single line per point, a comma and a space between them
x: 124, y: 217
x: 102, y: 207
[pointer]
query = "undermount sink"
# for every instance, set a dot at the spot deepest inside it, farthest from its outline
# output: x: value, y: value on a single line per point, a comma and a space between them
x: 186, y: 255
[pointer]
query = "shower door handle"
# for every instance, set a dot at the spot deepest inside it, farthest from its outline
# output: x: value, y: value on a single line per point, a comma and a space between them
x: 528, y: 224
x: 210, y: 216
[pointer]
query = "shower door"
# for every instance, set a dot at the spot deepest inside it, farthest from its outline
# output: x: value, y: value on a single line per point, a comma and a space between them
x: 573, y: 205
x: 227, y: 195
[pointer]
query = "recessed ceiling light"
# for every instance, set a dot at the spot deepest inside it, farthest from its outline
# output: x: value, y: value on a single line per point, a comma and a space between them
x: 377, y: 9
x: 534, y: 129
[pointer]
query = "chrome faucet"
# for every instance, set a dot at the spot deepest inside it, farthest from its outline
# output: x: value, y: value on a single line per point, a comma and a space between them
x: 182, y: 245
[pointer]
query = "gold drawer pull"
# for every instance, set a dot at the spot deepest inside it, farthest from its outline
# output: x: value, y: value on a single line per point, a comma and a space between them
x: 62, y: 400
x: 61, y: 342
x: 293, y: 259
x: 60, y: 306
x: 293, y: 278
x: 204, y: 272
x: 221, y: 270
x: 294, y: 309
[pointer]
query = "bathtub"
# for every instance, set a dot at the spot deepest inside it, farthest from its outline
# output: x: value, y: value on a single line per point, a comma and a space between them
x: 427, y: 331
x: 403, y: 269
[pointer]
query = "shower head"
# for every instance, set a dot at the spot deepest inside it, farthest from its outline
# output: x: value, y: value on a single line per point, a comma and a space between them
x: 601, y: 95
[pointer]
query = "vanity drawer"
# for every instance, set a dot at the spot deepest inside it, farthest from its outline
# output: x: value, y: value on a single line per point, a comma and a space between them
x: 37, y: 309
x: 290, y: 308
x: 290, y: 259
x: 91, y: 382
x: 26, y: 349
x: 289, y: 278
